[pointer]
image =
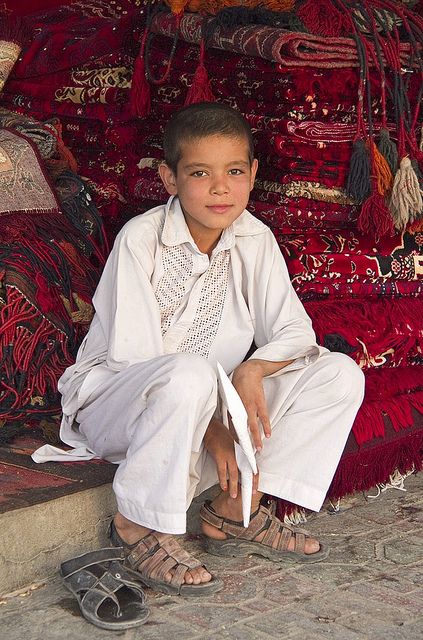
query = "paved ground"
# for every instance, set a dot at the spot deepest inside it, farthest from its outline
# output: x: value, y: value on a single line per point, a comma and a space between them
x: 370, y: 587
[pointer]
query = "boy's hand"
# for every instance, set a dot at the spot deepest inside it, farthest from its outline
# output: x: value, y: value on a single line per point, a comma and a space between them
x: 248, y: 381
x: 220, y: 444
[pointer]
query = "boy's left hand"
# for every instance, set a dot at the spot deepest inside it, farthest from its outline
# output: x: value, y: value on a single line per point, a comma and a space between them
x: 248, y: 381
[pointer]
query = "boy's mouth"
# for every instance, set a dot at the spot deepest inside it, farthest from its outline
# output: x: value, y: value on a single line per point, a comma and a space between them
x: 219, y: 208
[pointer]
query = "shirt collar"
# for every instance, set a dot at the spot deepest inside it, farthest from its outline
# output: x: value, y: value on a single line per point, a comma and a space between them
x: 175, y: 229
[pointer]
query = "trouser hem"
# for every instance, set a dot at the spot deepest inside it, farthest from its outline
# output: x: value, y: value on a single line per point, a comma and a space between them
x: 174, y: 523
x: 306, y: 496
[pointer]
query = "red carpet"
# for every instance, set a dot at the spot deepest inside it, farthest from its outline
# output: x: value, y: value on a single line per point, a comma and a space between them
x: 24, y: 483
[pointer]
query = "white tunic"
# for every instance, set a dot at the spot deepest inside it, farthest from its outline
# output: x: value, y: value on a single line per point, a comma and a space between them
x: 159, y: 294
x: 143, y: 388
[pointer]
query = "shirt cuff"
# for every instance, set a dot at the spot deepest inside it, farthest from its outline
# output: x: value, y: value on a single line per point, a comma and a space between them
x: 300, y: 359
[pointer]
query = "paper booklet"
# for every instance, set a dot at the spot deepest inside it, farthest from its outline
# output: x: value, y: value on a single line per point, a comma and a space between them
x: 244, y: 451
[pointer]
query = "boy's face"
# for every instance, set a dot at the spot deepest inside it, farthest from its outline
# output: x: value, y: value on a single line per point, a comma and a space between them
x: 213, y: 182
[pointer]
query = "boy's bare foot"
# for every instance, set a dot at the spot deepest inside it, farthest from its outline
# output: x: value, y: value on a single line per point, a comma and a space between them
x: 131, y: 533
x: 231, y: 509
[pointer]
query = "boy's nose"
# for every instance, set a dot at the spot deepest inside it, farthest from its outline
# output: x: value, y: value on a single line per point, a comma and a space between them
x: 220, y: 185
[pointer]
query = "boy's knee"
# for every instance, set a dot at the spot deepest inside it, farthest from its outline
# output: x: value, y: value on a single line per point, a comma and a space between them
x: 348, y: 378
x: 193, y: 374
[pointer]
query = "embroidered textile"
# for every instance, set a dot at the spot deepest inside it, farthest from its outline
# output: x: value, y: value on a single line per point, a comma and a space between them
x: 23, y: 182
x: 40, y: 134
x: 353, y: 256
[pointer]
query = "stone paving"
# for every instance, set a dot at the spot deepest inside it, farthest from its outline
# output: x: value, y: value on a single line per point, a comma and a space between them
x: 370, y: 587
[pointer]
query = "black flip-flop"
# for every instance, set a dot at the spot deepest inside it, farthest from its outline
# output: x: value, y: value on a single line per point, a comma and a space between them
x: 105, y: 590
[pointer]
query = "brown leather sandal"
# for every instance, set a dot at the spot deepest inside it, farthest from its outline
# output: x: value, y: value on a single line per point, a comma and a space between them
x: 242, y: 541
x: 154, y: 556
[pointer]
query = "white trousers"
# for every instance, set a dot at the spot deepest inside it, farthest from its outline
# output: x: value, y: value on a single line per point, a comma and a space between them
x: 153, y: 416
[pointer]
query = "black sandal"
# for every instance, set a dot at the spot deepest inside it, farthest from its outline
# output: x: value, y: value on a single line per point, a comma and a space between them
x: 107, y: 593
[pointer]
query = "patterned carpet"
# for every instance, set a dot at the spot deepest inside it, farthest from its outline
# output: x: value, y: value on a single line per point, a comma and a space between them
x: 24, y: 483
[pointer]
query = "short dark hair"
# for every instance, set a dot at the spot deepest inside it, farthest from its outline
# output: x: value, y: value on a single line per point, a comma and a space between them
x: 200, y: 120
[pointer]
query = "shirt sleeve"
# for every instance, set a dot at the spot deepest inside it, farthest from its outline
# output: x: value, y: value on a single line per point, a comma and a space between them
x: 282, y: 328
x: 125, y: 303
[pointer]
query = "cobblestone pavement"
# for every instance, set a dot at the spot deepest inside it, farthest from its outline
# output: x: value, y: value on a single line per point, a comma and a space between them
x: 370, y: 587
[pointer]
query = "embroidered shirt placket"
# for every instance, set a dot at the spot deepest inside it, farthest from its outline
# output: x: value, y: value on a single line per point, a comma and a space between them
x: 191, y: 294
x: 205, y: 325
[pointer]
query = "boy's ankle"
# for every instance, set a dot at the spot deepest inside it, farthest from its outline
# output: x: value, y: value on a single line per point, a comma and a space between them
x: 231, y: 508
x: 129, y: 531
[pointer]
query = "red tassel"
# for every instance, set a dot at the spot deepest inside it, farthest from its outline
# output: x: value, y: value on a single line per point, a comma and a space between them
x: 140, y: 99
x: 200, y: 90
x: 43, y: 296
x: 375, y: 217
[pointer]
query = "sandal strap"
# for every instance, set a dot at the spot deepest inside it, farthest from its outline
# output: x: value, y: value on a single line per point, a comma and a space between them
x: 157, y: 554
x: 94, y: 598
x: 107, y: 554
x: 232, y: 527
x: 262, y: 520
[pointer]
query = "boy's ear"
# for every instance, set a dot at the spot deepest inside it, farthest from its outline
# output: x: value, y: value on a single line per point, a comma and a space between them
x: 168, y: 179
x: 254, y: 167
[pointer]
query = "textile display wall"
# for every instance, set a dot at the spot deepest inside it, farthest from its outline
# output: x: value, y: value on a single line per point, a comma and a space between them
x: 321, y: 118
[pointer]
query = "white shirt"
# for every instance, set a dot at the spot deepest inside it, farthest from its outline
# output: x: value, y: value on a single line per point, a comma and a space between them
x: 159, y: 294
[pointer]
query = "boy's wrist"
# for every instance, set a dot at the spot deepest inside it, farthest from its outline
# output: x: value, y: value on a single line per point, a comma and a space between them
x: 253, y: 365
x: 211, y: 431
x: 261, y: 367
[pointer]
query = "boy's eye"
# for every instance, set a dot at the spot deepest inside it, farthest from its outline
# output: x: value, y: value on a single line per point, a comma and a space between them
x: 199, y: 174
x: 235, y: 172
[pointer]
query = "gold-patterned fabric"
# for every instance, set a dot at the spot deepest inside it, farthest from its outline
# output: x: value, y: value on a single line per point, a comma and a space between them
x: 23, y: 185
x: 9, y: 53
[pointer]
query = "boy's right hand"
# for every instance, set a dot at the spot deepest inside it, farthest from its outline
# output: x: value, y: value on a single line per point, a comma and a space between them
x: 220, y: 444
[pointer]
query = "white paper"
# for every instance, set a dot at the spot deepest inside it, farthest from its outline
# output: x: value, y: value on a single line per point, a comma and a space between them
x: 244, y: 451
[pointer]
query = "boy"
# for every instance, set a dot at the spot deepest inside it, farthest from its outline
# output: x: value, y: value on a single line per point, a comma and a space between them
x: 186, y: 285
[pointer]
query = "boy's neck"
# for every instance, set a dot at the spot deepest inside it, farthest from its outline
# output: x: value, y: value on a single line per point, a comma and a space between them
x: 205, y: 239
x: 205, y: 243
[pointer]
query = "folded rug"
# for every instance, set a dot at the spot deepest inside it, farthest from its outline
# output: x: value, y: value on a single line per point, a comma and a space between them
x: 282, y: 46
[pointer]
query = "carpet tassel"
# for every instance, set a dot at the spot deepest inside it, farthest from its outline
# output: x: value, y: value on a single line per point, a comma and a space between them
x: 388, y: 149
x: 406, y: 201
x: 200, y: 90
x: 140, y: 98
x: 381, y: 171
x: 375, y: 218
x: 358, y: 181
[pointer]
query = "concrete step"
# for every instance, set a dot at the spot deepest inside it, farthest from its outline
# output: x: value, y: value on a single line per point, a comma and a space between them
x: 36, y: 539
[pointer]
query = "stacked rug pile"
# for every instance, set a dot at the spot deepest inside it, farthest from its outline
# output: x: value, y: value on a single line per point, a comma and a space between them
x: 332, y: 94
x: 52, y: 250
